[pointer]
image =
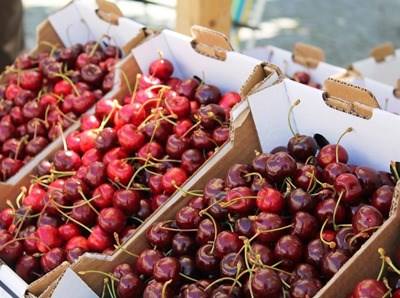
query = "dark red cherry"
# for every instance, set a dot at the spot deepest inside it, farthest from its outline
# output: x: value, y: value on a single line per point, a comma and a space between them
x: 206, y: 260
x: 205, y: 231
x: 231, y: 264
x: 349, y: 186
x: 370, y: 288
x: 289, y: 249
x: 315, y: 252
x: 299, y: 200
x: 129, y: 285
x: 382, y: 199
x: 305, y: 288
x: 166, y: 269
x: 333, y: 170
x: 206, y: 94
x: 369, y: 179
x: 266, y: 283
x: 366, y: 218
x: 28, y: 268
x: 227, y: 242
x: 52, y: 259
x: 263, y: 222
x: 332, y: 262
x: 280, y: 166
x: 305, y: 226
x: 270, y: 200
x: 327, y: 155
x: 302, y: 147
x: 187, y: 218
x: 159, y: 235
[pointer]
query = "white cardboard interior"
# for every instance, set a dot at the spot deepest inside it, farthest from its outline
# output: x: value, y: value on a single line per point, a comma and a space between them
x: 79, y: 23
x: 283, y: 59
x: 387, y: 71
x: 72, y: 285
x: 14, y: 284
x: 373, y: 142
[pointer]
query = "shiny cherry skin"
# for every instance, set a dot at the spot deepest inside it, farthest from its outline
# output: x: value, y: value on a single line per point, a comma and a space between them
x: 52, y: 259
x: 349, y: 185
x: 327, y: 155
x: 366, y: 218
x: 369, y: 179
x: 305, y: 225
x: 302, y: 147
x: 300, y: 200
x: 129, y: 285
x: 263, y: 222
x: 371, y: 288
x: 332, y: 262
x: 266, y: 283
x: 166, y: 269
x: 279, y: 166
x: 382, y: 199
x: 187, y: 218
x: 305, y: 288
x: 159, y: 236
x: 146, y: 260
x: 205, y: 231
x: 206, y: 260
x: 112, y: 220
x: 240, y: 200
x: 227, y: 242
x: 270, y: 200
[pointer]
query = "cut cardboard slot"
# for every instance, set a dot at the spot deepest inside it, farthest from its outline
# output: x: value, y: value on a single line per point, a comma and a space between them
x: 262, y: 130
x: 319, y: 74
x: 57, y: 30
x: 236, y: 73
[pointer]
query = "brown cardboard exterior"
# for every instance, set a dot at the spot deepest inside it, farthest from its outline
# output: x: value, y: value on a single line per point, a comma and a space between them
x: 245, y: 140
x: 262, y: 75
x: 45, y: 35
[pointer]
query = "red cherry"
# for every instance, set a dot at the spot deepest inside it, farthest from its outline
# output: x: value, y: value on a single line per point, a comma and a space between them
x: 62, y: 88
x: 229, y: 100
x: 349, y: 185
x: 239, y: 199
x: 127, y: 200
x: 370, y: 288
x: 77, y: 242
x: 130, y: 138
x: 161, y: 68
x: 103, y: 195
x: 68, y: 231
x: 112, y: 220
x: 52, y: 259
x: 99, y: 240
x: 270, y: 200
x: 172, y: 179
x: 49, y: 238
x: 119, y: 171
x: 31, y: 80
x: 178, y: 105
x: 327, y: 155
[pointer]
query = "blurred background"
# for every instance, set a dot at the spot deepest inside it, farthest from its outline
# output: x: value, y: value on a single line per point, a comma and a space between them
x: 345, y: 29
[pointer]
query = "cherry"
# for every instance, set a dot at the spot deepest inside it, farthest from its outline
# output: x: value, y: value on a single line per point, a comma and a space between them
x: 188, y: 88
x: 157, y: 289
x: 243, y: 227
x: 333, y: 170
x: 111, y: 220
x: 83, y: 213
x: 178, y: 105
x: 92, y: 74
x: 231, y: 264
x: 161, y: 68
x: 325, y: 210
x: 159, y: 235
x: 36, y: 145
x: 270, y: 200
x: 229, y: 100
x: 166, y: 269
x: 127, y: 200
x: 28, y: 267
x: 227, y: 242
x: 68, y: 231
x: 333, y: 261
x: 239, y: 200
x: 201, y: 139
x: 301, y: 147
x: 114, y: 154
x: 191, y: 160
x: 103, y: 195
x: 187, y: 218
x: 6, y: 217
x: 220, y: 135
x: 327, y: 155
x: 9, y: 167
x: 73, y: 189
x: 349, y: 186
x: 182, y: 244
x: 289, y: 249
x: 206, y: 231
x: 279, y: 166
x: 129, y: 285
x: 99, y: 240
x: 315, y: 252
x: 10, y: 251
x: 237, y: 175
x: 146, y: 81
x: 119, y: 171
x: 6, y: 131
x: 172, y: 179
x: 106, y: 139
x: 151, y: 150
x: 308, y: 287
x: 365, y: 218
x: 66, y: 160
x: 369, y: 288
x: 304, y: 271
x: 77, y: 242
x: 52, y: 259
x: 206, y: 260
x: 386, y: 178
x: 300, y: 200
x: 369, y: 179
x: 301, y: 77
x: 342, y: 240
x: 382, y: 199
x: 146, y: 260
x: 129, y: 138
x: 265, y: 283
x: 263, y: 222
x: 206, y: 94
x: 266, y: 256
x: 211, y: 116
x: 48, y: 238
x: 305, y: 225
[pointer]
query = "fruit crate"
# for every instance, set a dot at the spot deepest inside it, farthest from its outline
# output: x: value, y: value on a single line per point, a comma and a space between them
x: 382, y: 65
x: 265, y: 128
x: 306, y: 64
x: 79, y: 22
x: 208, y: 55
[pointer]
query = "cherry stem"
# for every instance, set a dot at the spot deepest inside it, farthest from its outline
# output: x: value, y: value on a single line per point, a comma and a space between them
x: 258, y: 175
x: 382, y: 256
x: 66, y: 78
x: 194, y: 193
x: 179, y: 230
x: 297, y: 102
x: 322, y: 184
x: 120, y: 246
x: 20, y: 196
x: 235, y: 200
x: 164, y: 289
x: 22, y: 222
x: 362, y: 234
x: 335, y: 210
x: 135, y: 87
x: 215, y: 230
x: 262, y: 231
x: 219, y: 280
x: 331, y: 244
x: 394, y: 170
x: 340, y: 138
x: 73, y: 219
x: 110, y: 276
x: 194, y: 126
x: 217, y: 202
x: 136, y: 173
x: 88, y: 202
x: 125, y: 77
x: 188, y: 277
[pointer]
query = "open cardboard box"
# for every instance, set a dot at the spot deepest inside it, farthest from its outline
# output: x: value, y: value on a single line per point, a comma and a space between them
x: 265, y: 128
x: 233, y: 72
x: 311, y: 60
x: 383, y: 64
x: 80, y: 22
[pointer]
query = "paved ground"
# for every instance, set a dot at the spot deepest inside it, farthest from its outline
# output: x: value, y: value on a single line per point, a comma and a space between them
x: 345, y: 29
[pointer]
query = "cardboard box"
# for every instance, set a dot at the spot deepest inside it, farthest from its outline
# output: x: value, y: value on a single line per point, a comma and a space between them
x: 198, y: 56
x: 383, y: 64
x: 79, y: 22
x: 264, y: 128
x: 308, y: 59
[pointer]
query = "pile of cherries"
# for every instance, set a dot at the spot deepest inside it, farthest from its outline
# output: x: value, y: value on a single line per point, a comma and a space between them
x: 303, y: 77
x: 281, y: 226
x: 40, y: 96
x: 114, y: 172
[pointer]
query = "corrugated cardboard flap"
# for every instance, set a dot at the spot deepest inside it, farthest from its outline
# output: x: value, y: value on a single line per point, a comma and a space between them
x: 380, y: 52
x: 210, y: 43
x: 307, y: 55
x: 108, y: 11
x: 349, y: 98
